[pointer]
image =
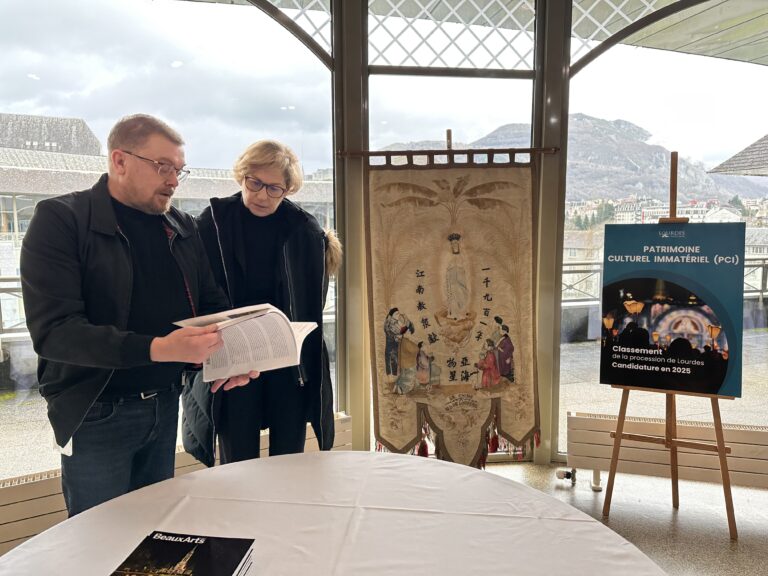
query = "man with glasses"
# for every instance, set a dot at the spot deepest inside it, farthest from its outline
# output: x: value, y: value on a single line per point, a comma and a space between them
x: 105, y: 272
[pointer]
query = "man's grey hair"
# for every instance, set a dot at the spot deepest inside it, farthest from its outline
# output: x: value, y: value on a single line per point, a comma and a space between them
x: 133, y: 131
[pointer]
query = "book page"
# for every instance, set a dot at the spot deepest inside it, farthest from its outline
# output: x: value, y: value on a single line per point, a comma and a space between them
x: 262, y: 342
x: 301, y: 330
x: 227, y: 316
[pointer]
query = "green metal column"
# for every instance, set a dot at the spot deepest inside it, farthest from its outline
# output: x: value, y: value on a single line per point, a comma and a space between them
x: 550, y: 128
x: 350, y: 118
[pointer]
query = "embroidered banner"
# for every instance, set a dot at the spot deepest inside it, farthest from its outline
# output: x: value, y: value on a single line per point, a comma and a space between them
x: 452, y: 323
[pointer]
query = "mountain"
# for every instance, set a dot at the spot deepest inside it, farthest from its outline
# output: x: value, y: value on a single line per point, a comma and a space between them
x: 423, y: 145
x: 612, y: 159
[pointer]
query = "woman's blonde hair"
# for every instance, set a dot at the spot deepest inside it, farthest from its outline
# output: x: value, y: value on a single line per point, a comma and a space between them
x: 270, y: 154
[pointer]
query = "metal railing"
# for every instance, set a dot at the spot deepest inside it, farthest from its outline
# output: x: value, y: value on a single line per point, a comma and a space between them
x: 10, y: 297
x: 10, y: 302
x: 583, y: 280
x: 14, y: 237
x: 581, y: 284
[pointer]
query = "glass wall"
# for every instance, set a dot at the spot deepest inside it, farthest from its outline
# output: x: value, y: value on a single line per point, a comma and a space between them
x: 629, y: 109
x: 413, y: 113
x: 223, y: 75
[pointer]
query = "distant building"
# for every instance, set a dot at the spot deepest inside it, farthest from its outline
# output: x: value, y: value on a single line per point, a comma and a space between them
x: 48, y: 134
x: 582, y: 261
x: 756, y: 243
x: 320, y: 174
x: 44, y: 157
x: 583, y: 245
x: 724, y: 214
x: 26, y: 176
x: 651, y: 215
x: 627, y: 213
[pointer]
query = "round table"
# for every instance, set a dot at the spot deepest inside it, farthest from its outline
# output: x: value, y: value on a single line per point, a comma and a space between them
x: 345, y: 513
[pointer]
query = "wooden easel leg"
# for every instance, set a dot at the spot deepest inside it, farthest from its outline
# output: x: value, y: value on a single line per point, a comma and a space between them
x: 671, y: 429
x: 724, y: 469
x: 615, y: 456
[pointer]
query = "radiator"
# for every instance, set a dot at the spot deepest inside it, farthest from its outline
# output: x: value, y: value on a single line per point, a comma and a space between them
x: 31, y: 504
x: 590, y: 447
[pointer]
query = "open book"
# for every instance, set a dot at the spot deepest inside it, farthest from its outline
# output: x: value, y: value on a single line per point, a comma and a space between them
x: 188, y: 554
x: 256, y: 337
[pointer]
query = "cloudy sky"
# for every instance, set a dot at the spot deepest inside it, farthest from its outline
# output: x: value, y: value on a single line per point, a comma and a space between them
x: 227, y: 75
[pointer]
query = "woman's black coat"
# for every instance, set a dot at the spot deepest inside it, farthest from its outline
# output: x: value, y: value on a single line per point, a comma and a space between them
x: 303, y: 283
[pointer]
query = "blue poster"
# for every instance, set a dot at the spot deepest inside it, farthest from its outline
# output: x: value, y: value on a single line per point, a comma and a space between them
x: 672, y: 307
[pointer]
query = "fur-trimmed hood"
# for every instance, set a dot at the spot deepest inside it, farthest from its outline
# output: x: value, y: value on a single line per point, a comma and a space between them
x: 333, y: 253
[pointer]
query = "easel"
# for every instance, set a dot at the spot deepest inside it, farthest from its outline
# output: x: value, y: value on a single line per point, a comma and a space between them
x: 670, y: 440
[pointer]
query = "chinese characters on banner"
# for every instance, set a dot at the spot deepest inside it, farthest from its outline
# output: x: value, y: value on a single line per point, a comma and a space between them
x: 673, y: 305
x: 450, y: 262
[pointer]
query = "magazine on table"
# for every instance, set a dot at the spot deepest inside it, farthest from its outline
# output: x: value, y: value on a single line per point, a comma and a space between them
x: 169, y: 553
x: 259, y: 337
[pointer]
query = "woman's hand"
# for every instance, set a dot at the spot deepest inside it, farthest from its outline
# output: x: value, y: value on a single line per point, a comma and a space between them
x: 234, y: 381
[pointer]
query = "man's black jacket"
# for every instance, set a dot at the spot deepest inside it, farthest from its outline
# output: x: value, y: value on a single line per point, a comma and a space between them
x: 303, y: 284
x: 76, y: 279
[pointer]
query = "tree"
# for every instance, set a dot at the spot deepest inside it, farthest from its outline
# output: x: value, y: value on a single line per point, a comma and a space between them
x: 736, y: 202
x: 605, y: 211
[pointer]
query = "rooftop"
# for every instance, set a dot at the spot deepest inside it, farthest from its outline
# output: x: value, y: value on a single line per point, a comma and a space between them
x: 47, y: 133
x: 40, y: 173
x: 752, y: 161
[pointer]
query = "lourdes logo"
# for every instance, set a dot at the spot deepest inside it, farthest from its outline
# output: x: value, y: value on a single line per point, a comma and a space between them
x: 672, y: 233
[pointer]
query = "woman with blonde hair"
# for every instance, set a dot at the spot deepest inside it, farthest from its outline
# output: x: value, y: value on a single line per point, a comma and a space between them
x: 264, y: 248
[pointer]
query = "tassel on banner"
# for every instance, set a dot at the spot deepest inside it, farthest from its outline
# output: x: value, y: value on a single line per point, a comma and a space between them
x: 422, y: 448
x: 493, y: 441
x: 484, y: 454
x: 537, y: 438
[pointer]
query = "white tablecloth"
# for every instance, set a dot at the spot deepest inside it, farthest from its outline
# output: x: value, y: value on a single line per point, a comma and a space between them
x: 345, y: 513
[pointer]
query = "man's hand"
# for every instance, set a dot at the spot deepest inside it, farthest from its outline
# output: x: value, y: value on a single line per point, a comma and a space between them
x: 234, y: 381
x: 193, y: 345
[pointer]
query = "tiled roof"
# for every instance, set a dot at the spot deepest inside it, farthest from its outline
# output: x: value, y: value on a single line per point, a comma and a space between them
x: 46, y: 133
x: 33, y: 172
x: 584, y: 239
x: 756, y: 237
x: 752, y: 161
x: 317, y: 191
x: 41, y: 160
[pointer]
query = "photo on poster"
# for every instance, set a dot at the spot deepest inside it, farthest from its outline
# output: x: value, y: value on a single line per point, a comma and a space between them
x: 660, y: 334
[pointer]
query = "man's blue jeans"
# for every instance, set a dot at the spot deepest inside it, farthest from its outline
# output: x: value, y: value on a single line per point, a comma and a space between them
x: 120, y: 446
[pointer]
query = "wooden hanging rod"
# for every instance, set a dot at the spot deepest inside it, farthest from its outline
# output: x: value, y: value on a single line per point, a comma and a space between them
x: 451, y: 152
